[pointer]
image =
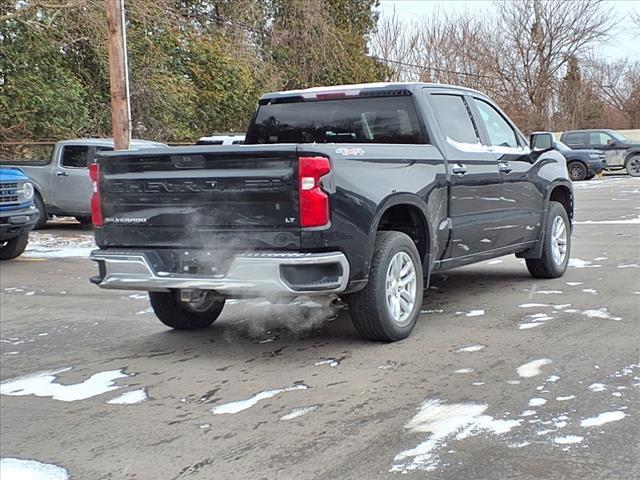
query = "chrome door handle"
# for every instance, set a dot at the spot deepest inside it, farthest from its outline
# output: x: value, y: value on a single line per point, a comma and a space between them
x: 505, y: 167
x: 459, y: 169
x: 62, y: 174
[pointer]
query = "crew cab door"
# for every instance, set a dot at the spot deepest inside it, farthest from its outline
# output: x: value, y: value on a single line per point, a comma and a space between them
x: 474, y: 177
x: 71, y: 192
x: 614, y: 150
x: 521, y: 202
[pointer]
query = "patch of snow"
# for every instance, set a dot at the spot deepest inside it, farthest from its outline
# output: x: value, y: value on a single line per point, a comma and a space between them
x: 443, y: 421
x: 471, y: 348
x: 494, y: 262
x: 574, y: 284
x: 590, y: 290
x: 477, y: 384
x: 205, y: 426
x: 603, y: 418
x: 537, y: 402
x: 129, y: 398
x: 475, y: 313
x: 43, y: 384
x: 240, y: 405
x: 390, y: 365
x: 527, y: 326
x: 298, y: 412
x: 332, y: 362
x: 465, y: 370
x: 432, y: 311
x: 532, y: 305
x: 568, y: 440
x: 139, y: 296
x: 145, y: 311
x: 630, y: 265
x: 528, y: 413
x: 19, y: 469
x: 565, y: 398
x: 579, y: 263
x: 532, y: 368
x: 552, y: 378
x: 47, y: 245
x: 548, y: 292
x: 628, y: 221
x: 597, y: 387
x: 514, y: 382
x: 600, y: 313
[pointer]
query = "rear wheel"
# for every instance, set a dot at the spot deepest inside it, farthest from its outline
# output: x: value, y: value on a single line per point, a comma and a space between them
x: 557, y: 245
x: 175, y: 313
x: 14, y: 247
x: 42, y: 212
x: 388, y: 307
x: 633, y: 166
x: 577, y: 171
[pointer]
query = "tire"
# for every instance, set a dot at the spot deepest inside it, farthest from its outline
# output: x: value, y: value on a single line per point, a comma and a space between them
x: 14, y: 247
x: 577, y: 171
x: 371, y: 307
x: 553, y: 263
x: 633, y: 166
x: 42, y: 212
x: 182, y: 316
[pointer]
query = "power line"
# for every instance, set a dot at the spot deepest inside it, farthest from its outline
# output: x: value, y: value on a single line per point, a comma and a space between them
x: 440, y: 70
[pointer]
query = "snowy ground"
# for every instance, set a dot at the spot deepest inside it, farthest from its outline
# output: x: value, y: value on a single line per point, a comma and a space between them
x: 504, y: 377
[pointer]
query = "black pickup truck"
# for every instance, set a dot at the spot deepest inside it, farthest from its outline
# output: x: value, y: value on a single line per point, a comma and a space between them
x: 361, y: 190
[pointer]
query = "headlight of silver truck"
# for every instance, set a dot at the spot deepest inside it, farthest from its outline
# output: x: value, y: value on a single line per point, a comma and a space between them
x: 25, y: 192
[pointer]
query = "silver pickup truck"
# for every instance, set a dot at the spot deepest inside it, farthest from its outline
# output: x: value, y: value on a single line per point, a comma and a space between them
x: 62, y: 184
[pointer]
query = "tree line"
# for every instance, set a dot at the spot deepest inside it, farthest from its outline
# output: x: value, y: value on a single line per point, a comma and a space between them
x: 198, y: 66
x: 537, y: 58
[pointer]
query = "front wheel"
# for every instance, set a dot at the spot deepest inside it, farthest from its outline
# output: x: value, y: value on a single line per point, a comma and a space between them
x: 42, y: 212
x: 175, y: 313
x: 633, y: 166
x: 577, y: 171
x: 14, y: 247
x: 556, y: 245
x: 388, y: 307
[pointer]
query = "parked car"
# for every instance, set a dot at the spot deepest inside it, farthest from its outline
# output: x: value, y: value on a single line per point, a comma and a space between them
x: 583, y: 164
x: 62, y: 184
x: 363, y: 191
x: 620, y: 151
x: 17, y: 212
x: 222, y: 139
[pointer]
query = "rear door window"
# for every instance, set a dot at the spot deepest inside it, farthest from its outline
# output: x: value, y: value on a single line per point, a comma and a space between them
x: 75, y: 156
x: 392, y: 119
x: 574, y: 139
x: 454, y: 118
x: 501, y: 134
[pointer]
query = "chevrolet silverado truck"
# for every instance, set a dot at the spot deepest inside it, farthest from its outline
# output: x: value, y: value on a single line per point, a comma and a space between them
x: 17, y: 212
x: 364, y: 191
x: 62, y: 184
x: 620, y: 152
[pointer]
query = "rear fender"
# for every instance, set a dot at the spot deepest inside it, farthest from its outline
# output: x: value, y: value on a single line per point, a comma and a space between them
x: 421, y: 206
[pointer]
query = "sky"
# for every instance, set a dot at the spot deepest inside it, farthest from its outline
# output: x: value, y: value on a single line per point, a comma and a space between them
x: 621, y: 44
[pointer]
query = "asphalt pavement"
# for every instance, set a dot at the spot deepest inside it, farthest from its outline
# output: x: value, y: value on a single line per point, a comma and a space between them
x: 505, y: 376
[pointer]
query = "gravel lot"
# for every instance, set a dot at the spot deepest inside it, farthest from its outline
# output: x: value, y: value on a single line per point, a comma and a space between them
x: 503, y: 377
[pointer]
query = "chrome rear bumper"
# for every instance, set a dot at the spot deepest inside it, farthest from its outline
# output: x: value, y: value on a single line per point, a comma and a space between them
x: 248, y: 275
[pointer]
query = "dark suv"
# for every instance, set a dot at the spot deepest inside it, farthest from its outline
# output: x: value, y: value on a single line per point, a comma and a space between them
x: 620, y: 151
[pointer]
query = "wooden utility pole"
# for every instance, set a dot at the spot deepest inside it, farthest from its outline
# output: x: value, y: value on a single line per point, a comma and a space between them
x: 118, y: 75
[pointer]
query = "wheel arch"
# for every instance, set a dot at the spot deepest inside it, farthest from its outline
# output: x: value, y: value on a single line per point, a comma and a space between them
x: 406, y: 213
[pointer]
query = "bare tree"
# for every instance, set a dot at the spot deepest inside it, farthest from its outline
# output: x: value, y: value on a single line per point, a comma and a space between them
x: 538, y: 38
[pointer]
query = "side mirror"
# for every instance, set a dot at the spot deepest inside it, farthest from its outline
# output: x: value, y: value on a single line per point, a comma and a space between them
x: 542, y: 141
x: 611, y: 142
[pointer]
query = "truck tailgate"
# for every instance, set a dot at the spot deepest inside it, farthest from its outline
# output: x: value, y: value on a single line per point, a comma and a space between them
x: 219, y: 198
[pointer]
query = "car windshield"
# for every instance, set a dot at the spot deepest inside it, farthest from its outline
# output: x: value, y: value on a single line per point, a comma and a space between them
x: 618, y: 136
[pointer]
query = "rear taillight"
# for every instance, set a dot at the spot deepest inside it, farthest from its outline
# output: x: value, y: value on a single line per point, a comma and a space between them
x: 314, y: 202
x: 96, y: 207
